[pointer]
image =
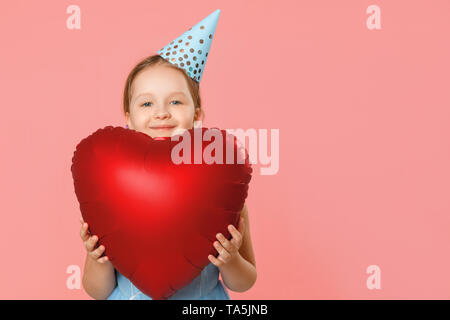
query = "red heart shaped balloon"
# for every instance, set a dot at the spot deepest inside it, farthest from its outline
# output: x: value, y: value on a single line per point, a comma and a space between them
x: 156, y: 218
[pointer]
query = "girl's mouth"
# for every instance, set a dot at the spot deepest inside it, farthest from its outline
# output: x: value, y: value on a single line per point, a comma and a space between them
x: 162, y: 128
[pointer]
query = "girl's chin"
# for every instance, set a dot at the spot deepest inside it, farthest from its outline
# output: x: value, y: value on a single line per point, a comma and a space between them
x: 165, y: 133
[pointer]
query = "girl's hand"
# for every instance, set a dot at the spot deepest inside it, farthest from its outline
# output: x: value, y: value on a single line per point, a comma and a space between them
x: 228, y: 249
x: 89, y: 243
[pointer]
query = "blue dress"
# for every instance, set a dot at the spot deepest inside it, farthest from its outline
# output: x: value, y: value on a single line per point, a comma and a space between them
x: 206, y: 286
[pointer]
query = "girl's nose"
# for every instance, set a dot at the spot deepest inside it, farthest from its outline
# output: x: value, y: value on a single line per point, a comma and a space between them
x: 161, y: 113
x: 164, y: 115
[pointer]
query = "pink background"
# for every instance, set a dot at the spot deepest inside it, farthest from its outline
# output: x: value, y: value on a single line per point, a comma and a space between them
x: 364, y: 123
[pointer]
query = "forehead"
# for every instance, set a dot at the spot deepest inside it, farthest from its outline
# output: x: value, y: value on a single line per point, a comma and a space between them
x: 160, y: 80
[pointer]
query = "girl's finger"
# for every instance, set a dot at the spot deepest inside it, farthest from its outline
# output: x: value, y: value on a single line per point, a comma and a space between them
x: 83, y: 232
x: 97, y: 253
x: 230, y: 247
x: 103, y: 259
x: 224, y: 255
x: 90, y: 243
x: 215, y: 261
x: 237, y: 236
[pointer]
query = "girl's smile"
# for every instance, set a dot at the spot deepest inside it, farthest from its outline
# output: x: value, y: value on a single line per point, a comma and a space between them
x: 162, y: 127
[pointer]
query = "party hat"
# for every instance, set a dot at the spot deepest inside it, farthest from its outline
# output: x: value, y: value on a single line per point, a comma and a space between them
x: 190, y: 50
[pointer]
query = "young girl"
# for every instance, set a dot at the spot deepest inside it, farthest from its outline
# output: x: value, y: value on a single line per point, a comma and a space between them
x: 159, y: 98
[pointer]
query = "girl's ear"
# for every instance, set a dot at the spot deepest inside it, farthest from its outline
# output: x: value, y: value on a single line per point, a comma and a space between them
x: 198, y: 112
x: 127, y: 116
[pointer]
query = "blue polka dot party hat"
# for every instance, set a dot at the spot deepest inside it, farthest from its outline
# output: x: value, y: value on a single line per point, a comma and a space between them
x: 190, y: 50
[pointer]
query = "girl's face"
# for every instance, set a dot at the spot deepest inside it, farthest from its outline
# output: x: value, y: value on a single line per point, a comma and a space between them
x: 160, y: 97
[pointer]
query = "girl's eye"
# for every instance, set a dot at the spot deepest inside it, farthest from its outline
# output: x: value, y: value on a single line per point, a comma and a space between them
x: 145, y: 103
